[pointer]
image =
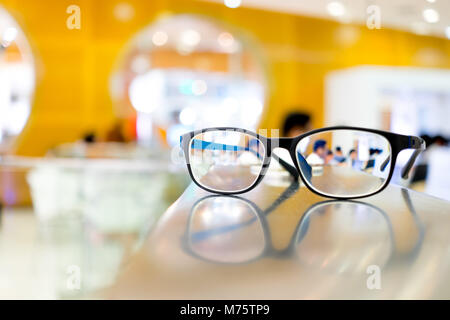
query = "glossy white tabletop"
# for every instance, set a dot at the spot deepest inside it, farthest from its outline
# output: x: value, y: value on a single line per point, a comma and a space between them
x: 283, y: 242
x: 276, y: 242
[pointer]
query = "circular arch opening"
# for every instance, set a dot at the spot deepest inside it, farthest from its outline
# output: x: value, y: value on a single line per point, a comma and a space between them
x: 187, y: 72
x: 17, y: 80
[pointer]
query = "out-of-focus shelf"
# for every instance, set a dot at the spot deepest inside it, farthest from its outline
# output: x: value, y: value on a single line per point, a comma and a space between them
x: 14, y: 190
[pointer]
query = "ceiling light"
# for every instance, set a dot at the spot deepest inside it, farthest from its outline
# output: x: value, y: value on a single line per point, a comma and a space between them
x: 140, y: 64
x: 199, y: 87
x: 160, y: 38
x: 232, y: 3
x: 431, y: 1
x: 431, y: 15
x: 124, y: 12
x: 188, y: 116
x: 447, y: 32
x: 226, y: 40
x: 146, y: 91
x: 190, y: 38
x: 336, y: 9
x: 9, y: 35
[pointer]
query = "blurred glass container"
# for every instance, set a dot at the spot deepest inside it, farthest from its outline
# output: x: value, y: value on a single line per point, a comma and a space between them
x: 55, y: 191
x: 115, y: 194
x: 95, y: 205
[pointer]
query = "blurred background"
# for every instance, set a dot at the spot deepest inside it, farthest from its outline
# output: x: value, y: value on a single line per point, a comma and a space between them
x: 94, y: 95
x: 123, y: 79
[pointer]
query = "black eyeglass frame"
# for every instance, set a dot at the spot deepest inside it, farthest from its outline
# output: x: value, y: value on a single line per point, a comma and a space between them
x: 398, y: 143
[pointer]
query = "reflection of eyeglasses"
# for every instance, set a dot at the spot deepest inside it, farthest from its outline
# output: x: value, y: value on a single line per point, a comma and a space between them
x: 231, y: 230
x: 234, y: 161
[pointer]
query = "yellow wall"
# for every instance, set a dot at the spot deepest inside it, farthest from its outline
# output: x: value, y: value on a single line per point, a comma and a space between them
x: 74, y: 66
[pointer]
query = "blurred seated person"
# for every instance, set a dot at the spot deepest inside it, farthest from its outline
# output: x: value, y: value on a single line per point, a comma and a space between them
x: 373, y: 154
x: 440, y: 141
x: 115, y: 133
x: 354, y: 162
x: 420, y: 172
x: 339, y: 155
x: 330, y: 158
x: 89, y: 138
x: 317, y: 157
x: 295, y: 124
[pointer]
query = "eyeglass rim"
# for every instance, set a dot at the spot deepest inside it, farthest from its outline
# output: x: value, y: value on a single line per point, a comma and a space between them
x: 398, y: 142
x: 356, y: 196
x: 239, y: 191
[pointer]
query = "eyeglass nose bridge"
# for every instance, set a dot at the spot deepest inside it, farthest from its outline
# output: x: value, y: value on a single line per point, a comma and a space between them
x: 300, y: 162
x: 284, y: 143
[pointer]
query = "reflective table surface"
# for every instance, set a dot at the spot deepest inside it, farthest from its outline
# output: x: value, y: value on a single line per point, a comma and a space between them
x: 279, y: 241
x: 283, y: 242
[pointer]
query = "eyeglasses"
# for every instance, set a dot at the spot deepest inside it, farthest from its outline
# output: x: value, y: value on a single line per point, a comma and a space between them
x: 335, y: 162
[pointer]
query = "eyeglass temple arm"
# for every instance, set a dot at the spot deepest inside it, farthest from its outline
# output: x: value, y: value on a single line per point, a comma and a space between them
x: 419, y: 224
x: 289, y: 168
x: 413, y: 143
x: 203, y: 145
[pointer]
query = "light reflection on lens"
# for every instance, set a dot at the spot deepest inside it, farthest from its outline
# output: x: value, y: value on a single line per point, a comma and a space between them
x: 345, y: 237
x: 225, y: 230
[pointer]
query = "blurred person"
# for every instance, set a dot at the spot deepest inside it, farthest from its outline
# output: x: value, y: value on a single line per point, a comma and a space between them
x: 373, y: 154
x: 329, y: 158
x: 420, y: 171
x: 435, y: 172
x: 89, y: 138
x: 339, y: 155
x: 77, y: 149
x: 295, y: 124
x: 432, y: 143
x: 353, y: 160
x: 439, y: 141
x: 115, y: 133
x: 352, y: 156
x: 317, y: 157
